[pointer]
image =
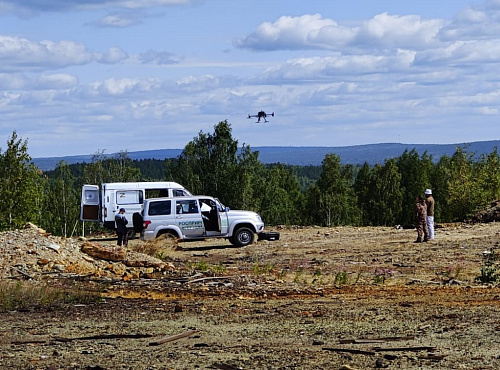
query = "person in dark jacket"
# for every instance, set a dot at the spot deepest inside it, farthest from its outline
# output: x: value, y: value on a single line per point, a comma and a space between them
x: 421, y: 219
x: 121, y: 227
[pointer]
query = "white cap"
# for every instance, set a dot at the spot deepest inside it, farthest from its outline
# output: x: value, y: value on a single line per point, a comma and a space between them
x: 428, y: 191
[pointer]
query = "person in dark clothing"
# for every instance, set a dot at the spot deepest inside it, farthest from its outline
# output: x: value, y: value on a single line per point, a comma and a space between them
x: 421, y: 220
x: 121, y: 227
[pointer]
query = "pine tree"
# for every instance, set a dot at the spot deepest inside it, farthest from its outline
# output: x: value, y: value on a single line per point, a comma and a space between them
x: 21, y: 192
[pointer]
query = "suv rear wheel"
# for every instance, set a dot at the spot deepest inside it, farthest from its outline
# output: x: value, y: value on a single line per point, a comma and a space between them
x: 242, y: 237
x: 167, y: 239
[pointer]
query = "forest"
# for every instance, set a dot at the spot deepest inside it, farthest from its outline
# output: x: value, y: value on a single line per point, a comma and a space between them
x: 214, y: 164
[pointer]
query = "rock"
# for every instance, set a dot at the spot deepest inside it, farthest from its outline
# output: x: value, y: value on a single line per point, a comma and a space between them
x: 54, y: 247
x: 59, y: 267
x: 104, y: 252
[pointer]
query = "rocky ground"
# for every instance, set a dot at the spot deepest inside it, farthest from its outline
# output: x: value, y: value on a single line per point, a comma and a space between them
x: 318, y: 298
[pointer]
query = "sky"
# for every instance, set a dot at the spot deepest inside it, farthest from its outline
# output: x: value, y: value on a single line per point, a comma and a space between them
x: 79, y: 77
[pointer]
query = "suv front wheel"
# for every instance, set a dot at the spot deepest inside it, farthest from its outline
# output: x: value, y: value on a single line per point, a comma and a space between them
x: 242, y: 237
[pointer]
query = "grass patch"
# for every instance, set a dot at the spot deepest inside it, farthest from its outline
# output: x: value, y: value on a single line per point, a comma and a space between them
x: 206, y: 267
x: 25, y: 296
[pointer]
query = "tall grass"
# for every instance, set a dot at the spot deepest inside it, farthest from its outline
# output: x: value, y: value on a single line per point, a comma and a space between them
x: 22, y: 296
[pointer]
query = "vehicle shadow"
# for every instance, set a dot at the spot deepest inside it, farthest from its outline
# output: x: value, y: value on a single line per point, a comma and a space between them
x: 205, y: 248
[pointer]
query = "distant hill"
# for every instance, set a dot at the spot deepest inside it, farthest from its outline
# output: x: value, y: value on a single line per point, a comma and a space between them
x: 303, y: 156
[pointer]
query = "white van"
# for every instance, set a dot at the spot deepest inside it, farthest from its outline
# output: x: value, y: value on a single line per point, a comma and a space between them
x: 101, y: 205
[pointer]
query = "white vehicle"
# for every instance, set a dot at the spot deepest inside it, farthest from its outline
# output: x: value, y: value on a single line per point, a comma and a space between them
x: 200, y: 217
x: 101, y: 205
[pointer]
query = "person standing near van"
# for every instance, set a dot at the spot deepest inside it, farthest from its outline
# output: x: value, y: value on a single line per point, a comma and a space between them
x: 429, y: 201
x: 121, y: 227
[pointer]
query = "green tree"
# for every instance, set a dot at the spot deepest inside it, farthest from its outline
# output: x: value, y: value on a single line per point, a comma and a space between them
x: 387, y: 194
x: 104, y: 169
x: 362, y: 189
x: 21, y: 186
x: 488, y: 176
x: 282, y: 201
x: 415, y: 178
x: 62, y: 204
x: 249, y: 178
x: 337, y: 200
x: 464, y: 193
x: 210, y: 164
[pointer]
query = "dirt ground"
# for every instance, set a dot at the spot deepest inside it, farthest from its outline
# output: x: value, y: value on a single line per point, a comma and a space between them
x: 318, y: 298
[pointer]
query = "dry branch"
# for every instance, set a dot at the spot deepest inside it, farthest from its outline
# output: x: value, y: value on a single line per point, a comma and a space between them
x: 375, y: 340
x: 28, y: 341
x: 172, y: 338
x: 225, y: 367
x: 432, y: 357
x: 211, y: 278
x: 104, y: 336
x: 21, y: 273
x: 423, y: 348
x: 425, y: 281
x: 349, y: 350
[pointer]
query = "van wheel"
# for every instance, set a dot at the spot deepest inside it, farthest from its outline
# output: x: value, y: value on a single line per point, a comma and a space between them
x: 242, y: 237
x: 130, y: 234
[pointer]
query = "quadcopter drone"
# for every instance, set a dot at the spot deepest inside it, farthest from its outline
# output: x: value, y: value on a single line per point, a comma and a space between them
x: 260, y: 115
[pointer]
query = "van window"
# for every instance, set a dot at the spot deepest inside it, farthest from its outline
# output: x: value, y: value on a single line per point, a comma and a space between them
x: 156, y: 193
x: 164, y: 193
x: 160, y: 208
x: 180, y: 193
x: 129, y: 197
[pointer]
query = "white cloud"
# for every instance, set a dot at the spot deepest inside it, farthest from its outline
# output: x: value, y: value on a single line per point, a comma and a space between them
x: 118, y: 21
x: 122, y: 86
x: 462, y: 52
x: 316, y: 32
x: 22, y: 54
x: 112, y: 56
x: 159, y: 58
x: 31, y: 7
x: 56, y: 81
x: 339, y: 66
x: 307, y: 31
x: 394, y: 31
x: 16, y: 81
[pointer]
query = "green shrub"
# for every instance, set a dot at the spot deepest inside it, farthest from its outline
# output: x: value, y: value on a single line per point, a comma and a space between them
x: 490, y: 270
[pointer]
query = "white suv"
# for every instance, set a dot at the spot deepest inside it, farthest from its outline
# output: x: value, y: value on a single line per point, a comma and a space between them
x: 200, y: 217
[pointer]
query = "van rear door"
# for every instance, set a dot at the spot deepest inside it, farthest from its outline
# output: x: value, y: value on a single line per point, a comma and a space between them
x: 89, y: 203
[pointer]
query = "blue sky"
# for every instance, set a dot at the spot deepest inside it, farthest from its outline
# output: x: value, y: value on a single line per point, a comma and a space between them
x: 81, y: 76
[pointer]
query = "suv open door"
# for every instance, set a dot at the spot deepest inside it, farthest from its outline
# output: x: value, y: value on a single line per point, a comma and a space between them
x: 90, y: 203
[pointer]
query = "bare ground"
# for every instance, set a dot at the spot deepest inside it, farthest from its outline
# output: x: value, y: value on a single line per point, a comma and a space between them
x: 319, y: 298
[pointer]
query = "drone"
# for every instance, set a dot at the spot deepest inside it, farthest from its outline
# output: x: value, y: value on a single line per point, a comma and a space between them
x: 260, y: 115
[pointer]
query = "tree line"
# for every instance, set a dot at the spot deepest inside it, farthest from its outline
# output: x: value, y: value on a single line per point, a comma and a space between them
x: 214, y: 164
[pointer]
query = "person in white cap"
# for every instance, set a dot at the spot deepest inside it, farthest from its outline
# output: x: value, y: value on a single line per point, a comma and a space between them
x: 429, y: 201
